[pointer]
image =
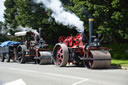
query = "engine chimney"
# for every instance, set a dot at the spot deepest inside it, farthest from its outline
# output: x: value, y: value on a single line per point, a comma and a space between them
x: 91, y: 20
x: 41, y: 41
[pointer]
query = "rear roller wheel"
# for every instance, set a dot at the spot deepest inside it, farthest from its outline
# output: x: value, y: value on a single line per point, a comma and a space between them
x: 60, y: 54
x: 99, y: 59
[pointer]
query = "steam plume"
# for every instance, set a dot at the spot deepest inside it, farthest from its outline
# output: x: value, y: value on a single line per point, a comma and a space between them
x: 61, y: 15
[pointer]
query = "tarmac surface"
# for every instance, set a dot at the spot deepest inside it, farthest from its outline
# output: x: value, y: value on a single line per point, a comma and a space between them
x: 34, y: 74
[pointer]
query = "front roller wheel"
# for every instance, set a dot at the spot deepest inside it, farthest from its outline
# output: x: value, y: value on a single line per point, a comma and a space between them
x: 99, y: 59
x: 60, y: 54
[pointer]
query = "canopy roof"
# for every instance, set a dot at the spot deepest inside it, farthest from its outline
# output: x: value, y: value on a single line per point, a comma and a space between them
x: 21, y: 33
x: 25, y: 32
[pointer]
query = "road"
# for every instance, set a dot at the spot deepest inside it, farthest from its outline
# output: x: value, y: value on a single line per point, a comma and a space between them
x: 33, y: 74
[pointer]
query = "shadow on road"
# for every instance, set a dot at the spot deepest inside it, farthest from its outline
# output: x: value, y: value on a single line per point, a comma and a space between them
x: 115, y: 66
x: 112, y: 67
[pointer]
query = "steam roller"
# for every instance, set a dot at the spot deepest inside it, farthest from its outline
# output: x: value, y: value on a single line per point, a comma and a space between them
x: 80, y: 51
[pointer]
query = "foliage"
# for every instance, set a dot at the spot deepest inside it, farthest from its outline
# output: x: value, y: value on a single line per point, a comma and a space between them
x: 3, y: 36
x: 110, y: 18
x: 118, y: 51
x: 10, y: 13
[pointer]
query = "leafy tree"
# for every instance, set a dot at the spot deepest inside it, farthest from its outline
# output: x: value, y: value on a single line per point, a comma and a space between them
x: 1, y: 24
x: 3, y: 33
x: 110, y: 17
x: 29, y: 14
x: 10, y: 13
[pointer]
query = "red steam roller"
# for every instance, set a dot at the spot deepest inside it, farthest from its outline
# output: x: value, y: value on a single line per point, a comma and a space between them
x: 81, y: 51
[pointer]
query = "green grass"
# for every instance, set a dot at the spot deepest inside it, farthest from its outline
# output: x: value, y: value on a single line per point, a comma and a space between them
x: 120, y: 62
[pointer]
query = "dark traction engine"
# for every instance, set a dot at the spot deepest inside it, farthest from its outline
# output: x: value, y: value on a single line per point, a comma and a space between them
x: 35, y: 49
x: 80, y: 51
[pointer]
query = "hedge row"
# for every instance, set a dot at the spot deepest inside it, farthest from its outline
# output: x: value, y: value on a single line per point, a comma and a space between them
x: 118, y: 51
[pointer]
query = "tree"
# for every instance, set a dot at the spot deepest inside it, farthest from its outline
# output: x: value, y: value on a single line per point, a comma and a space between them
x: 10, y: 13
x: 29, y: 14
x: 3, y: 32
x: 24, y: 13
x: 110, y: 18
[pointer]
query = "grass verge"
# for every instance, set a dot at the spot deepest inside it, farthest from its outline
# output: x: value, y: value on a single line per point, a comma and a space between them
x: 122, y: 63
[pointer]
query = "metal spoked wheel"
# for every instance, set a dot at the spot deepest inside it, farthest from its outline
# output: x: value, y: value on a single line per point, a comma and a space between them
x: 21, y: 55
x: 60, y: 55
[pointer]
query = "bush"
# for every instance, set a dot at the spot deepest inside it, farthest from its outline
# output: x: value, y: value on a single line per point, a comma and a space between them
x: 118, y: 51
x: 3, y: 38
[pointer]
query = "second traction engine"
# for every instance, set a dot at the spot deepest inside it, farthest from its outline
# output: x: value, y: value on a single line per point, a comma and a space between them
x: 81, y: 51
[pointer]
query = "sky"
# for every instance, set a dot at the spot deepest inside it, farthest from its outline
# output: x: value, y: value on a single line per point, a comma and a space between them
x: 2, y: 8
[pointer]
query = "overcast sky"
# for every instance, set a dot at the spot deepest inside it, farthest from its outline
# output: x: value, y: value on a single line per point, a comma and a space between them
x: 2, y: 8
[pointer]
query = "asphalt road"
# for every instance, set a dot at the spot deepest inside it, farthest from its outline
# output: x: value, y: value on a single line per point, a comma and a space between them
x: 33, y: 74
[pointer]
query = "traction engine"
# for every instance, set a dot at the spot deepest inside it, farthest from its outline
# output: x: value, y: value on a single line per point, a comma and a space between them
x: 81, y: 51
x: 33, y: 48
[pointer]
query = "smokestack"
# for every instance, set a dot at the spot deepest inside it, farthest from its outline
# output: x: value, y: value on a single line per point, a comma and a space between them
x: 40, y: 33
x: 91, y: 21
x: 41, y: 40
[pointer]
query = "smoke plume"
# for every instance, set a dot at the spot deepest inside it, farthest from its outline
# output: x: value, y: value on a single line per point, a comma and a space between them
x: 61, y: 15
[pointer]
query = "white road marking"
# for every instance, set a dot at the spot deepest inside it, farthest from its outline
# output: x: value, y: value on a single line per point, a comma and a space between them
x: 16, y: 82
x: 53, y: 74
x: 79, y: 82
x: 66, y: 76
x: 23, y: 70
